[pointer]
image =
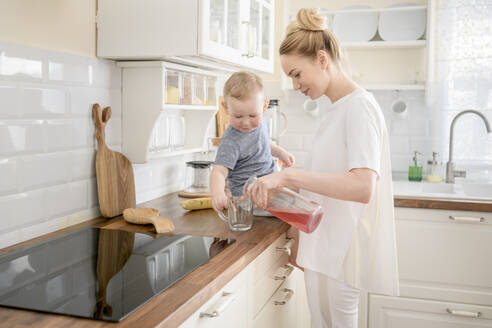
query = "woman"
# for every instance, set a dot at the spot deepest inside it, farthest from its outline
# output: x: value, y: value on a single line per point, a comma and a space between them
x: 349, y: 174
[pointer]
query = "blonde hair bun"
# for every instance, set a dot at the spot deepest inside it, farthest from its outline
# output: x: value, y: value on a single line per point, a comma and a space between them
x: 309, y: 19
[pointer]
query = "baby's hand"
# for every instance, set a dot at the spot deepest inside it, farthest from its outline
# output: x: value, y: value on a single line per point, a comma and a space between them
x: 287, y: 159
x: 219, y: 201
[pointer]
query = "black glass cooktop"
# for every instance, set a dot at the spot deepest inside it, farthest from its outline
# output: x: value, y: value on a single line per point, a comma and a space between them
x: 98, y: 273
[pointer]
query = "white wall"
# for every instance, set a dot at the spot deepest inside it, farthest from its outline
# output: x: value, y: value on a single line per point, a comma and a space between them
x: 47, y: 141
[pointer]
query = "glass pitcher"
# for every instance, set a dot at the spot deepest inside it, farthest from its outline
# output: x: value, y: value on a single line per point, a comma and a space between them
x: 293, y: 208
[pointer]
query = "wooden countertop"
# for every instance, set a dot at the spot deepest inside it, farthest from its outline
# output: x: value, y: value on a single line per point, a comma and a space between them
x: 173, y: 306
x: 443, y: 204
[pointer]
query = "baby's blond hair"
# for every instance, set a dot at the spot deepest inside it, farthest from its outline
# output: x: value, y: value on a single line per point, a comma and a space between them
x: 241, y: 85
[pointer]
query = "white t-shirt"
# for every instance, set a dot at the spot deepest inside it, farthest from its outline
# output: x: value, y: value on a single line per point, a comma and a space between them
x: 354, y: 242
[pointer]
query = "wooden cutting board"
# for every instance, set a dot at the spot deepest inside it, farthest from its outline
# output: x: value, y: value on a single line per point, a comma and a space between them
x: 115, y: 183
x: 222, y: 120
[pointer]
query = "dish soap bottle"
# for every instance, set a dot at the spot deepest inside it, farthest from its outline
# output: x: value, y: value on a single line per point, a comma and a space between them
x: 415, y: 171
x: 435, y: 169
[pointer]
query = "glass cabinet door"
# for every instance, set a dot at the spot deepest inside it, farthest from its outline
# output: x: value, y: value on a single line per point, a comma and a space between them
x: 217, y: 21
x: 266, y: 32
x: 233, y: 23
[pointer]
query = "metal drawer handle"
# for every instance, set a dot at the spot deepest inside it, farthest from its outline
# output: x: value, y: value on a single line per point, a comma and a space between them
x: 286, y: 247
x: 222, y: 305
x: 466, y: 219
x: 288, y: 271
x: 463, y: 313
x: 288, y: 295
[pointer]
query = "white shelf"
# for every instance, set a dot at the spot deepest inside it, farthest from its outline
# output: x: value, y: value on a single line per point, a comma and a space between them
x: 384, y: 44
x: 143, y: 87
x: 393, y: 86
x: 190, y: 107
x: 369, y: 10
x: 171, y: 153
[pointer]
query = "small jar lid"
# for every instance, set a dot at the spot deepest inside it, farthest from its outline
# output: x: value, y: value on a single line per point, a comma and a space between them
x: 273, y: 102
x: 199, y: 164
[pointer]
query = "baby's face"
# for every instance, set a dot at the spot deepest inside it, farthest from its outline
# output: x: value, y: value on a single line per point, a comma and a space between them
x: 246, y: 115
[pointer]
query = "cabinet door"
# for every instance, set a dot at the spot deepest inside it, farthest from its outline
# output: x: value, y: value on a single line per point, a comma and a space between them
x: 261, y: 35
x: 445, y: 255
x: 223, y: 29
x: 398, y: 312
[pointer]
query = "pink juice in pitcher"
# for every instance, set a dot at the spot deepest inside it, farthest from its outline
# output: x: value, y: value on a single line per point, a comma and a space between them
x: 304, y: 220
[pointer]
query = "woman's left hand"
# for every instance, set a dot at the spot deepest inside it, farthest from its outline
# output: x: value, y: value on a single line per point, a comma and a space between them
x: 258, y: 191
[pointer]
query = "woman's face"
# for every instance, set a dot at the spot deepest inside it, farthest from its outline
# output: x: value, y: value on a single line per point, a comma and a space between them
x: 309, y: 75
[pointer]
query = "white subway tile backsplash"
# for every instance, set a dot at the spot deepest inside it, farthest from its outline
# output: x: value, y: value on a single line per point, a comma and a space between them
x: 43, y: 102
x: 8, y: 176
x: 57, y: 201
x: 291, y: 142
x: 9, y: 204
x: 20, y: 63
x: 92, y: 193
x: 43, y: 170
x: 400, y: 162
x: 66, y: 134
x: 82, y: 163
x: 143, y: 177
x: 70, y: 69
x: 21, y: 136
x: 300, y: 158
x: 113, y: 131
x: 82, y: 99
x: 400, y: 145
x: 422, y: 145
x: 9, y: 100
x: 30, y: 206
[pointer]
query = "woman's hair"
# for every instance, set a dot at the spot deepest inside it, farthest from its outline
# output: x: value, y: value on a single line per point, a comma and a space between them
x: 241, y: 85
x: 308, y: 34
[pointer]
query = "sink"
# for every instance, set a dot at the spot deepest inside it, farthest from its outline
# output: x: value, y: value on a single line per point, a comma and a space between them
x: 441, y: 188
x: 482, y: 190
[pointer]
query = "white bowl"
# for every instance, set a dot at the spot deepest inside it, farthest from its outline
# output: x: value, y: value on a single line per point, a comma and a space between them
x: 404, y: 25
x: 356, y: 26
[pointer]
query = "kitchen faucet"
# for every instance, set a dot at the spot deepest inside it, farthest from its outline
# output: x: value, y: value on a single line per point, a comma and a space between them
x: 451, y: 173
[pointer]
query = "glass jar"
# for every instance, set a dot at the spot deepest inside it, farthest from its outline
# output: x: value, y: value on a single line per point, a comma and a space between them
x: 211, y: 91
x: 187, y: 94
x: 177, y: 132
x: 198, y: 176
x: 198, y: 85
x: 173, y: 87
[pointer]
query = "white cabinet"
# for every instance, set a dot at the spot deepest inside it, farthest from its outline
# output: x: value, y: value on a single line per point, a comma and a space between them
x: 199, y: 32
x: 265, y: 294
x: 445, y: 271
x: 167, y: 109
x: 399, y: 312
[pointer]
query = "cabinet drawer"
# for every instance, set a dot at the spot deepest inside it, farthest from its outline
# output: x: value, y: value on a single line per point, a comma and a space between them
x: 398, y: 312
x: 281, y: 309
x: 230, y: 302
x: 445, y: 255
x: 273, y: 254
x: 269, y: 283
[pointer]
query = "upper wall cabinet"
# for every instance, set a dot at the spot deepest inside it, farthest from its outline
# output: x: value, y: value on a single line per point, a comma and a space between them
x: 224, y: 34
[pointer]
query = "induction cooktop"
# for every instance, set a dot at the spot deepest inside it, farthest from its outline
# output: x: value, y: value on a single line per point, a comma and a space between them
x: 99, y: 273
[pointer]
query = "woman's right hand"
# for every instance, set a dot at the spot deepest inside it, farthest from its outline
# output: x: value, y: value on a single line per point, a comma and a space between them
x: 219, y: 201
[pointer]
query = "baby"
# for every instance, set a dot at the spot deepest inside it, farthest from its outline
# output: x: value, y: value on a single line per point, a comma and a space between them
x: 245, y: 148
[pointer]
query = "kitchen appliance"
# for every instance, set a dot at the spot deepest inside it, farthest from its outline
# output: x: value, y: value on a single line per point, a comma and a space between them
x: 198, y: 177
x: 272, y: 117
x: 97, y: 273
x: 114, y: 172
